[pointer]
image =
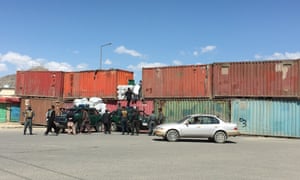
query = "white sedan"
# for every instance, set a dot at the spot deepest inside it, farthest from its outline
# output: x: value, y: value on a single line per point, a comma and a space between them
x: 198, y: 126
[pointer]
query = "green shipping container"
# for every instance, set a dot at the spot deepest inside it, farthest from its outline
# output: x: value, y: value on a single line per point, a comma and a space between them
x: 175, y: 109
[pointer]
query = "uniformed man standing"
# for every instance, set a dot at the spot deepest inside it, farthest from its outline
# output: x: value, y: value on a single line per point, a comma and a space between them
x: 106, y: 119
x: 152, y: 123
x: 124, y: 119
x: 136, y: 121
x: 29, y: 115
x: 85, y: 121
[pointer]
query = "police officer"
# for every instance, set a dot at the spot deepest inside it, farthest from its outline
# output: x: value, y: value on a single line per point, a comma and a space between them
x: 106, y: 119
x: 136, y: 121
x: 152, y: 123
x: 124, y: 119
x: 51, y: 124
x: 29, y: 114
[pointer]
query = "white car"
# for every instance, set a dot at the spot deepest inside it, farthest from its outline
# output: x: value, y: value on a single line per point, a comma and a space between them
x: 198, y: 126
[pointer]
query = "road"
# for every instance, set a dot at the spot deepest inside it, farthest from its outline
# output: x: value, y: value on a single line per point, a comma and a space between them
x: 143, y: 157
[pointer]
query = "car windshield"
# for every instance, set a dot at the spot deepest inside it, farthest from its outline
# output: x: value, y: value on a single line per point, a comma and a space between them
x: 184, y: 119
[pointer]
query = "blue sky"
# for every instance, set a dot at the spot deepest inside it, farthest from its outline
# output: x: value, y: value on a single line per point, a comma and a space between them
x: 66, y: 35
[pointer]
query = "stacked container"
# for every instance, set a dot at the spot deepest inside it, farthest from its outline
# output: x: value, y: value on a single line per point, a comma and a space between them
x: 262, y: 97
x: 102, y: 83
x: 41, y: 89
x: 192, y: 81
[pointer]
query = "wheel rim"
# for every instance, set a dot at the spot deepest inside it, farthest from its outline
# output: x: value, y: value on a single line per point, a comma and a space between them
x: 220, y: 137
x: 172, y: 135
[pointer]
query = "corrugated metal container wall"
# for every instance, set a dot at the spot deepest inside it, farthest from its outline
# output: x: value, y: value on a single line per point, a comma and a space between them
x: 95, y: 83
x: 257, y: 79
x: 174, y: 110
x: 14, y: 113
x: 267, y: 117
x: 39, y: 83
x: 71, y: 84
x: 192, y: 81
x: 147, y: 105
x: 40, y: 106
x: 3, y: 111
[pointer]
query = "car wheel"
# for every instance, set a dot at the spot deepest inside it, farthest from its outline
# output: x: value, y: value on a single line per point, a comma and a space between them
x: 172, y: 135
x: 113, y: 126
x: 220, y: 137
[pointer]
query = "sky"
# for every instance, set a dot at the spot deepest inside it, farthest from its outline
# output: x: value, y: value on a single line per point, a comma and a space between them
x: 69, y: 35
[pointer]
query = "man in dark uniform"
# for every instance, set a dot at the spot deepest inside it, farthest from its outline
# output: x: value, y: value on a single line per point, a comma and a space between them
x: 51, y: 124
x: 152, y: 123
x: 128, y: 95
x: 106, y: 119
x: 136, y: 121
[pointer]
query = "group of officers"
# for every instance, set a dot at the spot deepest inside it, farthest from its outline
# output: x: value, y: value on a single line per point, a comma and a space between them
x: 129, y: 119
x: 131, y: 123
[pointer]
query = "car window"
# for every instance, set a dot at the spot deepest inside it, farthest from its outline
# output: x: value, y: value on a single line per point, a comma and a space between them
x: 183, y: 120
x: 196, y: 120
x: 208, y: 120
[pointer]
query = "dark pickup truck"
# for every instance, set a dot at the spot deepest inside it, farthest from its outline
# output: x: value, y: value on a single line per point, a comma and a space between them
x: 76, y: 115
x: 116, y: 119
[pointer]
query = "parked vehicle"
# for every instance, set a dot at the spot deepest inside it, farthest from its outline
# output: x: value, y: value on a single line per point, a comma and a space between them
x: 116, y: 119
x: 76, y: 115
x: 198, y: 126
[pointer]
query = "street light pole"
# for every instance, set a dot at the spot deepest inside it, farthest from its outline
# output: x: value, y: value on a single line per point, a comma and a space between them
x: 107, y: 44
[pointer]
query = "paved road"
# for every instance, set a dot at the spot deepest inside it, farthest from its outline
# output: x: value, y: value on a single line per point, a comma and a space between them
x: 99, y: 156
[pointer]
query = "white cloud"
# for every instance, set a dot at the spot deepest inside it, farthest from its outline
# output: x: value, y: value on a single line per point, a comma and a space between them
x: 144, y: 65
x: 3, y: 67
x: 108, y: 62
x: 56, y: 66
x: 177, y: 62
x: 208, y: 49
x: 277, y: 56
x: 18, y: 61
x: 124, y: 50
x: 81, y: 66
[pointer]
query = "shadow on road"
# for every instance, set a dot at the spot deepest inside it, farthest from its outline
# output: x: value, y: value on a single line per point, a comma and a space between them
x: 192, y: 141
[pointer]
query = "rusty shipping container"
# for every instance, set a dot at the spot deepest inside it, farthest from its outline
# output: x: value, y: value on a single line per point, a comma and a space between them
x: 193, y: 81
x: 99, y: 83
x: 256, y: 79
x: 39, y: 83
x: 40, y: 106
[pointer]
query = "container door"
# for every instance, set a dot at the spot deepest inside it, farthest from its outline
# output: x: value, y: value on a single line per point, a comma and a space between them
x: 2, y: 113
x: 15, y: 113
x: 240, y: 115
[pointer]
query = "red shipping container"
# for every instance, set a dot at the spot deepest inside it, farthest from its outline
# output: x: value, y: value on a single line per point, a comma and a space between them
x: 99, y: 83
x: 193, y: 81
x: 39, y: 83
x: 256, y: 79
